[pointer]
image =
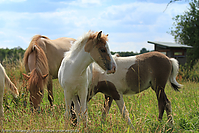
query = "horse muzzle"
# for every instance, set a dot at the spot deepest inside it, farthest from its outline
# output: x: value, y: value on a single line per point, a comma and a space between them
x: 112, y: 70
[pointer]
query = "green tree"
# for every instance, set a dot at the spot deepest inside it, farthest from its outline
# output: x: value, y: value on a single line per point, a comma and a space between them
x: 143, y: 50
x: 186, y: 31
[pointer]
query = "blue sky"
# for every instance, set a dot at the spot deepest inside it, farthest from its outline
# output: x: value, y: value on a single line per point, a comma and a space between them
x: 129, y: 23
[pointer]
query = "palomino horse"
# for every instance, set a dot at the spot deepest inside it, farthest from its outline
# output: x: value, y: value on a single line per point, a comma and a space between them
x: 75, y: 74
x: 43, y: 58
x: 135, y: 74
x: 4, y: 79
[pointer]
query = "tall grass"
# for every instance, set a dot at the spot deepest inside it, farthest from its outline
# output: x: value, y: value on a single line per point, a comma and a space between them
x: 142, y: 107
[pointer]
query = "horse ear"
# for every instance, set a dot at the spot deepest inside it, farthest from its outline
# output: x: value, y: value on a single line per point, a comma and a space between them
x: 34, y: 47
x: 44, y: 76
x: 26, y: 76
x: 99, y: 35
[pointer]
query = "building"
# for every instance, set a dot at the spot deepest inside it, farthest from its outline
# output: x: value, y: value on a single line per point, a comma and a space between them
x: 172, y: 50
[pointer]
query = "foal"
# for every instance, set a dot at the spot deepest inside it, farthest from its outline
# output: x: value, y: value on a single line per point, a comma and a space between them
x: 135, y: 74
x: 75, y: 73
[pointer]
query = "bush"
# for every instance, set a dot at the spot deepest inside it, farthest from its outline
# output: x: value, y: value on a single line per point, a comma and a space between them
x: 190, y: 74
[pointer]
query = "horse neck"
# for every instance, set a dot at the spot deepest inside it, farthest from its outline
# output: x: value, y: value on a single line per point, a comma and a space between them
x: 81, y: 60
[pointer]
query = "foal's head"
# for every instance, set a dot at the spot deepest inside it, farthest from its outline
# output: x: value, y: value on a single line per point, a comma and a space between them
x: 36, y: 82
x: 98, y: 48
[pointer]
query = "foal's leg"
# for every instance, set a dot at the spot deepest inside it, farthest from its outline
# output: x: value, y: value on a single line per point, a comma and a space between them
x: 83, y: 102
x: 107, y: 106
x: 73, y: 114
x: 77, y: 107
x: 164, y: 103
x: 123, y: 110
x: 68, y: 100
x: 50, y: 90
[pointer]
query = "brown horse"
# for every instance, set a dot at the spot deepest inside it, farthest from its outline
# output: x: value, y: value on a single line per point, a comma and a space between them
x: 135, y: 74
x: 42, y: 60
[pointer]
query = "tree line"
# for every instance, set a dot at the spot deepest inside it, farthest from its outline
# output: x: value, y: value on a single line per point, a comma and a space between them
x: 14, y: 54
x: 11, y: 55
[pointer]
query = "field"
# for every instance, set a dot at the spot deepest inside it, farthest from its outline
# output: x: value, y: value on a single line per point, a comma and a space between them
x: 142, y: 107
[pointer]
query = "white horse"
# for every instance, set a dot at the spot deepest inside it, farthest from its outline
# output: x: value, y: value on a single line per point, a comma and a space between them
x: 4, y: 79
x: 135, y: 74
x: 75, y: 74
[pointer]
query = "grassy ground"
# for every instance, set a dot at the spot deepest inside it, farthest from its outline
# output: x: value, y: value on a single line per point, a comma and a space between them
x: 142, y: 107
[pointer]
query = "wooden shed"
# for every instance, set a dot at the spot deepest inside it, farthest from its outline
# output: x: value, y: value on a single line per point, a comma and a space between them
x: 172, y: 50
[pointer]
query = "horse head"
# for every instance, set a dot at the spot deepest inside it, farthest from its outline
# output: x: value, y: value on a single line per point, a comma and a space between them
x: 36, y: 82
x: 98, y: 49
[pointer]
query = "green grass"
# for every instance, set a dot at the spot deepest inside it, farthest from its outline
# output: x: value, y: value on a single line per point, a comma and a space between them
x: 142, y: 107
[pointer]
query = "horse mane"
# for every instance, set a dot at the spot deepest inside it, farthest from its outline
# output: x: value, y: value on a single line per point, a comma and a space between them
x: 89, y: 35
x: 41, y: 63
x: 36, y: 77
x: 29, y: 50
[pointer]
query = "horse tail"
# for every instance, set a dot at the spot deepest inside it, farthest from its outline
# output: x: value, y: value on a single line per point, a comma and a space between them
x: 29, y: 49
x: 173, y: 75
x: 10, y: 85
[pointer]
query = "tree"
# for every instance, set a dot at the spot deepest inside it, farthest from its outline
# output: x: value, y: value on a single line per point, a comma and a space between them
x: 186, y: 31
x: 143, y: 50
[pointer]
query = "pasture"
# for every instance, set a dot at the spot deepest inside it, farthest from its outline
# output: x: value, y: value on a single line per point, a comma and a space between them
x: 142, y: 107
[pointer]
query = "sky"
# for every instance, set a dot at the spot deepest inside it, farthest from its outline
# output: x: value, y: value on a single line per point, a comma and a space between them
x: 129, y: 23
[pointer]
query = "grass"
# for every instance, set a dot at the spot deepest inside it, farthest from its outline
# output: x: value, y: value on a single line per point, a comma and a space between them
x: 142, y: 107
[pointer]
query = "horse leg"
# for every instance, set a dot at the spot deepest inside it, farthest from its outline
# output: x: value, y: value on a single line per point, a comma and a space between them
x: 164, y: 103
x: 169, y: 112
x: 50, y: 91
x: 68, y: 100
x: 83, y: 102
x: 107, y: 105
x: 123, y: 110
x: 1, y: 106
x: 73, y: 114
x: 76, y: 110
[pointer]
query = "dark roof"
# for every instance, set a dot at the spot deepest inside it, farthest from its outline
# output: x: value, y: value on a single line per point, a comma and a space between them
x: 170, y: 44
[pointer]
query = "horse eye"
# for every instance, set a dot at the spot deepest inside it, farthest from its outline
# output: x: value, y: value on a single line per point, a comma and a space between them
x: 103, y: 50
x: 41, y: 91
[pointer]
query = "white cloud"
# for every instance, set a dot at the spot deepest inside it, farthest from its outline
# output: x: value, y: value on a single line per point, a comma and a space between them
x: 83, y: 3
x: 91, y: 1
x: 129, y: 26
x: 16, y: 1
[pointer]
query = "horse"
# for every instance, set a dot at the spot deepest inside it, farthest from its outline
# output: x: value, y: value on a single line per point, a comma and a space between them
x: 42, y: 60
x: 75, y: 71
x: 4, y: 79
x: 135, y: 74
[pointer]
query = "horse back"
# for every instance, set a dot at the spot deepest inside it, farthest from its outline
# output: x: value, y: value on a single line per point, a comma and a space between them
x: 151, y: 69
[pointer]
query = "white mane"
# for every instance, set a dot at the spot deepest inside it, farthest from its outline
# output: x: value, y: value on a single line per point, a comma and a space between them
x: 77, y: 45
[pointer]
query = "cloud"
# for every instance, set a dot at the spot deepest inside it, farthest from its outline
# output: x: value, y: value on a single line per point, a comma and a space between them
x: 129, y: 25
x: 8, y: 1
x: 83, y: 3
